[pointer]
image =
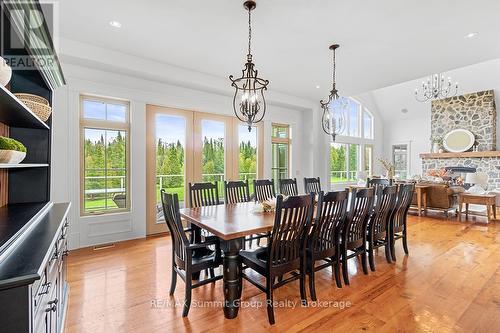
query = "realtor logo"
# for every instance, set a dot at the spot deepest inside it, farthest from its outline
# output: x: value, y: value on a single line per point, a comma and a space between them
x: 31, y: 26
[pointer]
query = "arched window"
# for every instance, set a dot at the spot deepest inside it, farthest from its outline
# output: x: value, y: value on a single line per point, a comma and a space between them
x: 352, y: 150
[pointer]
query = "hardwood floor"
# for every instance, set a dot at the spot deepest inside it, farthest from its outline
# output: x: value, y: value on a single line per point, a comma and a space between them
x: 450, y: 282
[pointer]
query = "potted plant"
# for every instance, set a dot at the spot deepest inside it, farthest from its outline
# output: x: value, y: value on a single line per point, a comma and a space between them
x: 436, y: 143
x: 11, y: 151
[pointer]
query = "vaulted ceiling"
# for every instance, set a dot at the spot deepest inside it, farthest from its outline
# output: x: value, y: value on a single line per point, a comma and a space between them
x: 383, y: 42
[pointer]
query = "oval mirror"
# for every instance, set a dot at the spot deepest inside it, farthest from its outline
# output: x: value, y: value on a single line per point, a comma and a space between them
x: 458, y: 141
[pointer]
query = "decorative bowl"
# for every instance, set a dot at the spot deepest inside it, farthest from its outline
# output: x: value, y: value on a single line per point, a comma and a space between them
x: 11, y: 156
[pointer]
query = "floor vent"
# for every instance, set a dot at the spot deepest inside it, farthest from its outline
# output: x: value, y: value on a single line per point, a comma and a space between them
x: 104, y: 246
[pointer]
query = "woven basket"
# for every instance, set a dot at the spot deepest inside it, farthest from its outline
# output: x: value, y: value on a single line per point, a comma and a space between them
x: 39, y: 105
x: 11, y: 156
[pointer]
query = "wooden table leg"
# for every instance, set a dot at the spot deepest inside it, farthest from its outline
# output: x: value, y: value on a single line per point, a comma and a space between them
x: 232, y: 276
x: 488, y: 213
x: 460, y: 204
x: 419, y: 201
x: 466, y: 211
x: 425, y: 202
x: 495, y: 212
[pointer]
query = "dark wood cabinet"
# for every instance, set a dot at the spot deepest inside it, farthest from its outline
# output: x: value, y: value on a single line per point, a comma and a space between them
x: 33, y: 287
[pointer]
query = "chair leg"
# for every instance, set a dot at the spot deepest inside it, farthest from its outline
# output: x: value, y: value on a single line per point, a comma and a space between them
x: 173, y: 283
x: 312, y: 287
x: 212, y: 273
x: 336, y: 271
x: 393, y: 250
x: 405, y: 241
x: 302, y: 283
x: 364, y: 261
x: 269, y: 297
x: 187, y: 297
x: 387, y: 247
x: 371, y: 256
x: 345, y: 271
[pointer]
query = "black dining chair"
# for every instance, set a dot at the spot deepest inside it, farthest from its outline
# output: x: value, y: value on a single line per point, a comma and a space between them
x: 372, y: 182
x: 285, y: 251
x: 354, y: 233
x: 288, y: 187
x: 398, y: 228
x: 203, y: 194
x: 323, y: 241
x: 264, y: 189
x: 188, y: 258
x: 378, y: 226
x: 236, y: 191
x: 312, y: 185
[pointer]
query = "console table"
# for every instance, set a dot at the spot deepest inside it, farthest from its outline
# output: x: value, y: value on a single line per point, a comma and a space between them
x: 488, y: 200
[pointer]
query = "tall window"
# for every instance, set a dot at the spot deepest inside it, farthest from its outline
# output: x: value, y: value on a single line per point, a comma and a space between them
x: 280, y: 142
x: 400, y: 160
x: 247, y: 155
x: 353, y: 150
x: 104, y: 127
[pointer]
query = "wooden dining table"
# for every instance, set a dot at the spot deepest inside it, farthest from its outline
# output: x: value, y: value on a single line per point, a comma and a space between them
x: 230, y: 223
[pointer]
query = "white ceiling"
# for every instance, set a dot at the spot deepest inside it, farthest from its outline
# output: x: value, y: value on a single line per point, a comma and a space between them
x: 383, y: 42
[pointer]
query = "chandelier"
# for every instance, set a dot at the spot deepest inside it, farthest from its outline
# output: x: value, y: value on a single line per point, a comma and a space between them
x: 436, y: 87
x: 249, y: 104
x: 333, y: 120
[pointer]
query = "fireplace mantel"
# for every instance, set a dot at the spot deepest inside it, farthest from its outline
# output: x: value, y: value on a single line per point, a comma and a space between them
x: 468, y: 154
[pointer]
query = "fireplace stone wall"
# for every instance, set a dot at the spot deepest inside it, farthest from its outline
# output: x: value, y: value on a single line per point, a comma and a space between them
x: 475, y: 112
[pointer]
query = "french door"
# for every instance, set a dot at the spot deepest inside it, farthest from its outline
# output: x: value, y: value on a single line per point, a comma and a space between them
x: 185, y: 146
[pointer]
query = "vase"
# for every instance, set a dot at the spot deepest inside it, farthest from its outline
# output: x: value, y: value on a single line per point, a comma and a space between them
x: 5, y: 72
x: 435, y: 147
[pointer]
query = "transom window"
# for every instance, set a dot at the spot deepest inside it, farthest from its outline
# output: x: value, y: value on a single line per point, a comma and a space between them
x: 352, y: 151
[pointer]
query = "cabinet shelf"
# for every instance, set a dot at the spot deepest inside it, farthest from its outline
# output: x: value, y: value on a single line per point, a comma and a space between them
x: 22, y: 165
x: 15, y: 114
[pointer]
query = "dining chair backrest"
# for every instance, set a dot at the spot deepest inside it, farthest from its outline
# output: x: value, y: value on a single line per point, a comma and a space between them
x: 170, y: 204
x: 203, y: 194
x: 292, y: 217
x: 371, y: 182
x: 236, y: 191
x: 312, y: 185
x: 403, y: 203
x: 264, y: 189
x: 288, y: 187
x: 385, y: 202
x: 361, y: 206
x: 330, y: 217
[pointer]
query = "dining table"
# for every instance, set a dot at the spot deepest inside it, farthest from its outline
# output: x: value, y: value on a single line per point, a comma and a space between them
x: 231, y: 223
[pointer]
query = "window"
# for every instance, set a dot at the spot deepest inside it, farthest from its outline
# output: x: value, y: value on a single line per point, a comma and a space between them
x: 247, y: 154
x: 104, y: 126
x: 280, y: 142
x: 353, y: 150
x: 400, y: 160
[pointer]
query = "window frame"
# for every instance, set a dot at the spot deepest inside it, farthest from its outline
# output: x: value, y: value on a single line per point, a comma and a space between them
x: 359, y: 140
x: 287, y: 141
x: 90, y: 123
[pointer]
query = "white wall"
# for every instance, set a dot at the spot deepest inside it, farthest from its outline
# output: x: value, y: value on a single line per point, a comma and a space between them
x: 415, y: 126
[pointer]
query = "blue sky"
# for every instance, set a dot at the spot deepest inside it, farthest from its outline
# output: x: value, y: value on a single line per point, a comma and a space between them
x: 172, y: 128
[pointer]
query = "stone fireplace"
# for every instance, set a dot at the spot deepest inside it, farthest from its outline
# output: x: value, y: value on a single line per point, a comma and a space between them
x: 475, y: 112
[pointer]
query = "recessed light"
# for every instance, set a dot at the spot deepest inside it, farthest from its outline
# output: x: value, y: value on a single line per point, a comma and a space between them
x: 318, y: 86
x: 471, y: 34
x: 115, y: 24
x: 404, y: 111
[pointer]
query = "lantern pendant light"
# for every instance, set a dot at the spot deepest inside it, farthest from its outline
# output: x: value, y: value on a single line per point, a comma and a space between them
x: 333, y: 120
x: 249, y: 104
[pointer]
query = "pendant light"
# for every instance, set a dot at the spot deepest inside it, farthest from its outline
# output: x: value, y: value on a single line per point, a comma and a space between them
x: 333, y: 120
x: 249, y: 104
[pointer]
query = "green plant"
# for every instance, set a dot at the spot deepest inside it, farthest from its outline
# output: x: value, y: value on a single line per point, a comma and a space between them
x: 11, y: 144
